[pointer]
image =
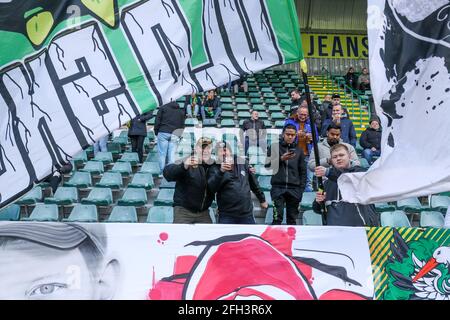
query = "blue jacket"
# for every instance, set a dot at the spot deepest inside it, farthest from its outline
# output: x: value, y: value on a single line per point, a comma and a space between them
x: 348, y: 133
x: 307, y: 129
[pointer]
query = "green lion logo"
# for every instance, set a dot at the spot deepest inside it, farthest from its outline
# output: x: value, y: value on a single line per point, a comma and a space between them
x: 37, y: 19
x: 418, y: 270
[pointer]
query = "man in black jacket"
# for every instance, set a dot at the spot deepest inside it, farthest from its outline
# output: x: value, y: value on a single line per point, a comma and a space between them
x: 169, y: 125
x: 232, y: 181
x: 192, y: 198
x: 289, y: 176
x: 253, y: 131
x: 137, y: 133
x: 339, y: 213
x: 370, y: 140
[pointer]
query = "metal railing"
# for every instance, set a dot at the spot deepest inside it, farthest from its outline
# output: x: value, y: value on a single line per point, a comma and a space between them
x: 341, y: 88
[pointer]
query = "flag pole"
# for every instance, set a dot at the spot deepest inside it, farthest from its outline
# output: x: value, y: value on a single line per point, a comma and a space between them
x: 304, y: 71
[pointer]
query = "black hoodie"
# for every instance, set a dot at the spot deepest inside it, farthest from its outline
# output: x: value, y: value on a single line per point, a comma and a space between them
x: 233, y: 189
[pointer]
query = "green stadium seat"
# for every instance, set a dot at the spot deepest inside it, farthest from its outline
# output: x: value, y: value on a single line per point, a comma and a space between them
x: 99, y: 197
x: 268, y: 124
x: 83, y: 213
x: 227, y: 114
x: 244, y: 115
x: 79, y: 180
x: 10, y: 213
x: 160, y: 214
x: 227, y: 123
x: 33, y: 196
x: 209, y: 123
x: 258, y: 107
x: 93, y: 167
x: 166, y: 184
x: 226, y: 100
x: 278, y: 116
x: 241, y: 100
x: 285, y: 102
x: 225, y: 94
x: 123, y: 214
x: 123, y: 141
x: 256, y: 101
x: 363, y: 163
x: 111, y: 180
x: 439, y: 203
x: 270, y: 101
x: 150, y: 167
x: 80, y: 158
x: 63, y: 196
x: 254, y: 95
x: 266, y: 89
x: 133, y: 197
x: 44, y: 212
x: 268, y: 95
x: 307, y: 200
x: 433, y: 219
x: 274, y: 109
x: 105, y: 157
x: 165, y: 197
x: 124, y: 168
x: 279, y: 124
x: 384, y: 206
x: 264, y: 183
x: 263, y: 115
x: 131, y: 157
x: 114, y: 147
x: 191, y: 122
x: 394, y: 219
x: 227, y: 107
x: 142, y: 180
x: 242, y: 107
x: 410, y: 205
x: 152, y: 157
x: 310, y: 218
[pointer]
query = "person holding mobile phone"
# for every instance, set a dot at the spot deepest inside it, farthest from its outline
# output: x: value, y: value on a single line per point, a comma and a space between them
x: 192, y: 198
x: 233, y: 181
x: 289, y: 176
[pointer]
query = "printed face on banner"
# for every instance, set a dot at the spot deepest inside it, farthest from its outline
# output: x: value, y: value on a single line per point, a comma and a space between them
x: 55, y: 261
x: 62, y: 261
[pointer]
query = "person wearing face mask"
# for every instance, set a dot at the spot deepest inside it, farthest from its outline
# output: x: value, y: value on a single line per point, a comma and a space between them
x: 338, y: 212
x: 333, y: 138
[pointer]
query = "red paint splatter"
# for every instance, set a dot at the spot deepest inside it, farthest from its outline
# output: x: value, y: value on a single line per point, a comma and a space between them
x: 163, y: 236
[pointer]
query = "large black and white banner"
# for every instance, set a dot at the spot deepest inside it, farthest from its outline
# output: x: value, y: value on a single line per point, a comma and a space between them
x: 73, y: 71
x: 409, y: 44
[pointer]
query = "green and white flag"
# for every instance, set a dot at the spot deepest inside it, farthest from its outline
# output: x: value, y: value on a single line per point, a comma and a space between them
x: 72, y: 71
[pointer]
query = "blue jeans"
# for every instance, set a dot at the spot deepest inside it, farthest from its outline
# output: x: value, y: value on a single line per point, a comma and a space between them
x: 368, y: 154
x: 166, y: 148
x: 189, y: 111
x: 309, y: 176
x: 217, y: 113
x: 100, y: 145
x: 236, y: 220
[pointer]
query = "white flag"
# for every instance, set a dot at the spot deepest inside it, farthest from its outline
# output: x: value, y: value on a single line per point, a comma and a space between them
x: 409, y: 45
